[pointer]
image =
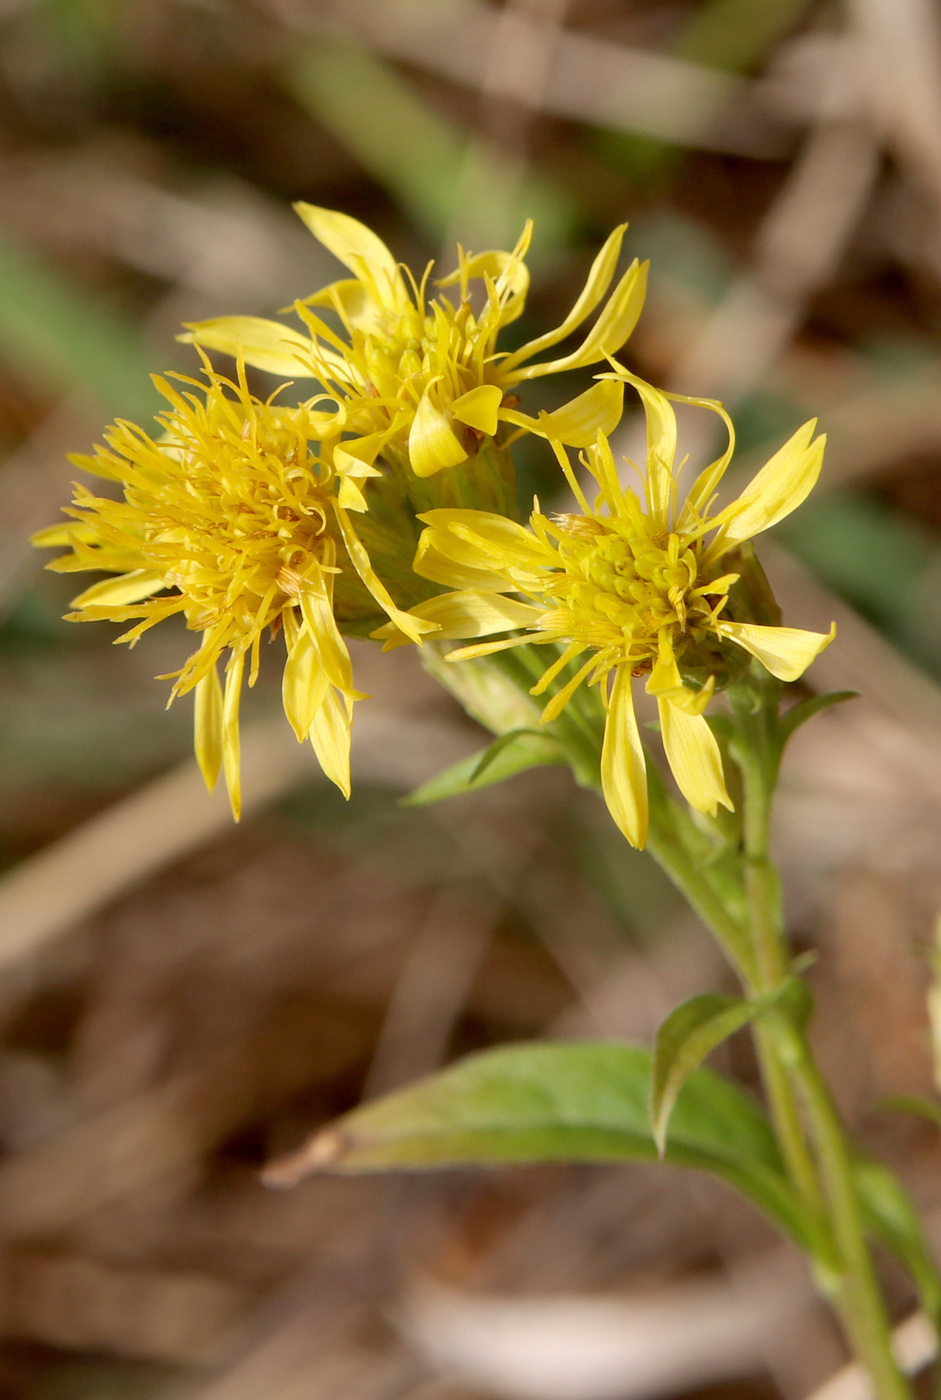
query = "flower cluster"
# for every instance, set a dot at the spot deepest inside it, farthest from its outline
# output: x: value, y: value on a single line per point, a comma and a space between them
x: 384, y: 504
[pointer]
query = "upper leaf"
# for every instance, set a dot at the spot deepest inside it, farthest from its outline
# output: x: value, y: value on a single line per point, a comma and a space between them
x: 508, y: 755
x: 690, y: 1033
x: 797, y: 715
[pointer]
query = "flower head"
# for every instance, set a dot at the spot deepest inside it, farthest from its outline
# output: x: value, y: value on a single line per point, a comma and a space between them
x: 425, y: 376
x: 238, y: 518
x: 638, y: 582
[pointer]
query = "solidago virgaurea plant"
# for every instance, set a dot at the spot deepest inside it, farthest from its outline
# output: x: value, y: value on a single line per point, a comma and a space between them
x: 374, y: 495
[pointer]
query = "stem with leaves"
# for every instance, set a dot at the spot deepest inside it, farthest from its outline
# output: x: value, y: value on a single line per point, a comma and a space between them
x: 725, y: 871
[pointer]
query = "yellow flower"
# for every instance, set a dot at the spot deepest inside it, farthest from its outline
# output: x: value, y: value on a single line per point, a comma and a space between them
x: 426, y: 377
x: 633, y: 581
x: 234, y: 519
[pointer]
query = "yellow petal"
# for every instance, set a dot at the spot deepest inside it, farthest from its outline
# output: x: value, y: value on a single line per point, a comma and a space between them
x: 355, y: 455
x: 569, y: 653
x: 60, y: 535
x: 702, y: 489
x: 598, y: 282
x: 780, y: 487
x: 431, y: 440
x: 359, y: 249
x: 694, y: 758
x: 561, y: 698
x: 304, y: 684
x: 354, y: 305
x: 462, y: 614
x: 491, y: 263
x: 319, y: 424
x: 666, y: 683
x: 435, y: 560
x: 694, y: 702
x: 661, y: 448
x: 99, y: 464
x: 413, y: 627
x: 207, y: 727
x: 330, y: 739
x: 514, y: 275
x: 129, y: 588
x: 506, y: 271
x: 485, y: 649
x: 577, y: 423
x: 623, y: 770
x: 468, y: 613
x: 618, y: 318
x: 264, y: 344
x: 350, y: 496
x: 784, y: 651
x: 231, y: 748
x: 478, y: 408
x: 665, y: 676
x: 318, y: 616
x: 483, y: 541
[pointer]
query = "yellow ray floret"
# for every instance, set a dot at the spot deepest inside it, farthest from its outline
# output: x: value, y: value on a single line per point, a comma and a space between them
x: 428, y: 374
x: 236, y: 517
x: 639, y: 583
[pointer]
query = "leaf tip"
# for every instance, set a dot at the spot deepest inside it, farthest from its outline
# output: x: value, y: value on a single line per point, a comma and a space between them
x: 321, y: 1152
x: 658, y: 1116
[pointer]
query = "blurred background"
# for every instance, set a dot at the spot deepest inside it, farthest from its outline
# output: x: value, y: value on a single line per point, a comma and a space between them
x: 181, y: 999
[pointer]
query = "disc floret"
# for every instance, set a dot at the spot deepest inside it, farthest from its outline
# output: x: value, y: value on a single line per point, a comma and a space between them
x: 619, y: 576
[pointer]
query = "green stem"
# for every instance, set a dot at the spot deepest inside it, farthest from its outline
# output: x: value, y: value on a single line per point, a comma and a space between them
x: 861, y: 1304
x: 788, y: 1064
x: 702, y: 897
x: 758, y: 763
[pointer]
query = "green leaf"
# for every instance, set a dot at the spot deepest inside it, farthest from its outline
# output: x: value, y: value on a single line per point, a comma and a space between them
x: 800, y: 714
x: 794, y: 997
x: 891, y: 1219
x: 506, y: 756
x: 569, y: 1103
x: 690, y: 1033
x: 918, y: 1108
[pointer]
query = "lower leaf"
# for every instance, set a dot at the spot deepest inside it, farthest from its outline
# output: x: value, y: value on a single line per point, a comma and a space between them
x: 569, y: 1102
x: 891, y: 1218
